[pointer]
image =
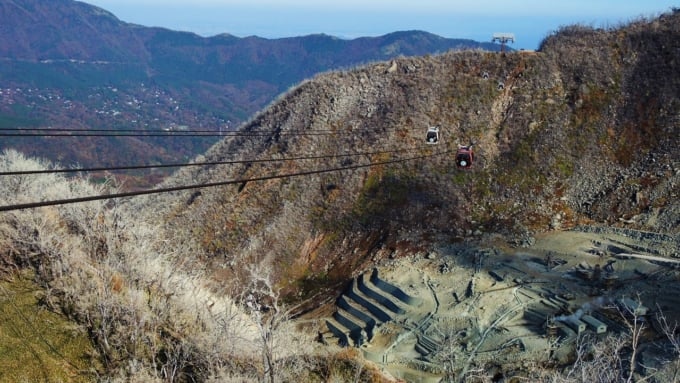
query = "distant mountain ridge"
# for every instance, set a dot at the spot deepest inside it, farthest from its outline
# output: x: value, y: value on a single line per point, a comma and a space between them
x: 81, y: 54
x: 67, y: 29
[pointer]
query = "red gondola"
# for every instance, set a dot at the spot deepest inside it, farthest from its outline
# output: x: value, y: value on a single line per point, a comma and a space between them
x: 464, y: 157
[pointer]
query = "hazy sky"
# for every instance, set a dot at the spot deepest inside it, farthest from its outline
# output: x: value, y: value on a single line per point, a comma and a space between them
x: 529, y: 20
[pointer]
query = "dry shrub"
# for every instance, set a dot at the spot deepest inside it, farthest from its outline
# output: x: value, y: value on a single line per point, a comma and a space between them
x: 145, y: 302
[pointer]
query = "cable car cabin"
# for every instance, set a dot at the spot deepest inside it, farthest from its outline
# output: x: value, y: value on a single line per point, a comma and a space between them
x: 432, y: 136
x: 464, y: 157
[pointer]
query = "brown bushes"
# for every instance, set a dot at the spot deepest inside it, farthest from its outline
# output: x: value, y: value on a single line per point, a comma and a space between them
x: 147, y: 307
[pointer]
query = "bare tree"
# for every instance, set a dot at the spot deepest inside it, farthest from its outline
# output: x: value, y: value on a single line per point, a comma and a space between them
x: 670, y: 368
x: 635, y: 326
x: 280, y: 344
x: 450, y: 351
x: 610, y: 359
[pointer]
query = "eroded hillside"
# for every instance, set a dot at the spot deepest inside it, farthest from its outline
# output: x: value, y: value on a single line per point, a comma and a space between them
x: 335, y: 223
x: 583, y: 131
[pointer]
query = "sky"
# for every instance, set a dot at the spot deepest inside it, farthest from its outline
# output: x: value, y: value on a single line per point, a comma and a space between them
x: 529, y: 20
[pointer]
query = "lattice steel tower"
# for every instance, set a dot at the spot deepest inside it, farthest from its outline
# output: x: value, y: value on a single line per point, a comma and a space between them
x: 503, y: 38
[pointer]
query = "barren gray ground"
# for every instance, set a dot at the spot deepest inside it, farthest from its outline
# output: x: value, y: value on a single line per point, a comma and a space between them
x: 509, y: 305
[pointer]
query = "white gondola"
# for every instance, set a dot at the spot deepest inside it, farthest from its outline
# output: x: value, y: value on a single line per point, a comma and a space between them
x: 432, y: 136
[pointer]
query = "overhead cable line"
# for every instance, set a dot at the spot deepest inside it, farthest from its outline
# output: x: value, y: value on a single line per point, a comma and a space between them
x: 179, y: 165
x: 176, y: 133
x: 31, y: 205
x: 63, y: 132
x: 103, y: 130
x: 138, y: 130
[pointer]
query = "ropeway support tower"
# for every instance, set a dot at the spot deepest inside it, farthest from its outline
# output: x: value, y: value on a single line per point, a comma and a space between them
x: 503, y: 38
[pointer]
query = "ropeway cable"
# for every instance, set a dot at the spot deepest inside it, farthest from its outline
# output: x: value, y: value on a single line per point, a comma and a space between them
x: 31, y: 205
x: 174, y: 134
x: 179, y: 165
x: 98, y: 130
x: 47, y: 132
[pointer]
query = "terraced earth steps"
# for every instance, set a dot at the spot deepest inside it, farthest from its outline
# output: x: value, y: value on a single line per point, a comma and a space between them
x: 367, y: 322
x: 366, y: 304
x: 372, y: 293
x: 339, y: 331
x: 375, y: 308
x: 357, y: 333
x: 356, y: 321
x: 394, y: 290
x: 426, y: 346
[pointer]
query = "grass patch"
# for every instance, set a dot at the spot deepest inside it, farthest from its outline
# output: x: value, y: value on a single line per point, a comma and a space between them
x: 381, y: 195
x: 37, y: 345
